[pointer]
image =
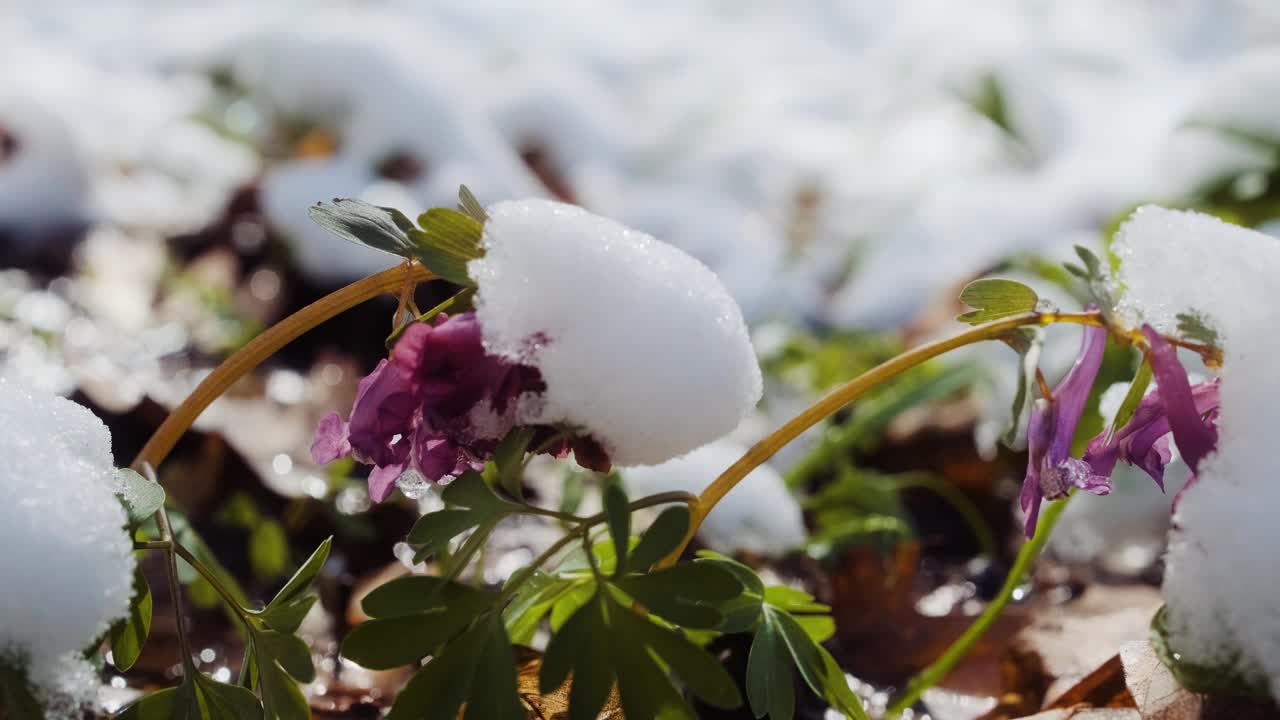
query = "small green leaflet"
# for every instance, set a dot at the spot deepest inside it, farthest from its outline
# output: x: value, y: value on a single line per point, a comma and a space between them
x: 130, y: 633
x: 469, y: 502
x: 604, y: 642
x: 821, y: 673
x: 995, y: 298
x: 1192, y: 326
x: 1095, y: 279
x: 619, y: 520
x: 477, y: 669
x: 140, y: 497
x: 411, y: 617
x: 688, y: 594
x: 16, y: 696
x: 1132, y: 398
x: 380, y: 228
x: 509, y: 459
x: 1028, y: 343
x: 197, y: 698
x: 447, y: 241
x: 287, y: 609
x: 663, y: 536
x: 469, y: 205
x: 268, y: 549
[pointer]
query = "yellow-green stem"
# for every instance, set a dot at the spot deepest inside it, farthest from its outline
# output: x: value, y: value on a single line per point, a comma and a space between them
x: 851, y: 391
x: 934, y: 674
x: 266, y: 344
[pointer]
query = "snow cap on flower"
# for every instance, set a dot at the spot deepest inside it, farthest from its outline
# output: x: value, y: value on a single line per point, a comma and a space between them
x: 760, y: 515
x: 1051, y: 471
x: 639, y: 344
x: 1222, y: 607
x: 67, y: 568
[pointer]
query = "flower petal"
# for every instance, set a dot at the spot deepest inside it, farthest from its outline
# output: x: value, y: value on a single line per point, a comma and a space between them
x: 1195, y: 438
x: 331, y: 441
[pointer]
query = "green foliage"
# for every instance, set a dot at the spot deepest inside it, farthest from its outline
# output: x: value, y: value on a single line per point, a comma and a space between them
x: 16, y: 697
x: 130, y: 633
x: 380, y: 228
x: 477, y: 668
x: 444, y: 240
x: 857, y: 508
x: 619, y: 520
x: 469, y: 503
x: 140, y: 497
x: 995, y: 298
x: 1231, y: 677
x: 509, y: 459
x: 1132, y: 398
x: 197, y: 698
x: 1027, y: 342
x: 604, y: 641
x: 411, y: 617
x: 447, y: 241
x: 268, y: 549
x: 1095, y: 276
x: 469, y: 205
x: 662, y: 537
x: 1192, y: 326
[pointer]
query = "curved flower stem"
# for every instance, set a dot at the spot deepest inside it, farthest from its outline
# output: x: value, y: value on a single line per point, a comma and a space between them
x: 851, y: 391
x: 264, y: 345
x: 933, y: 674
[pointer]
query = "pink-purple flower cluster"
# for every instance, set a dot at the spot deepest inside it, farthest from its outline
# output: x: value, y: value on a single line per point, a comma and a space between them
x: 1188, y: 413
x: 439, y: 405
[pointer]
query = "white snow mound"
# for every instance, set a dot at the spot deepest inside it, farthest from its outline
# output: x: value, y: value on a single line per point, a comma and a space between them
x: 759, y: 515
x: 67, y: 568
x: 639, y: 344
x: 1223, y: 608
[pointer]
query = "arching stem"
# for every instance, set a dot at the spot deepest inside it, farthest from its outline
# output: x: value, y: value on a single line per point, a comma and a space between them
x: 266, y: 344
x: 851, y: 391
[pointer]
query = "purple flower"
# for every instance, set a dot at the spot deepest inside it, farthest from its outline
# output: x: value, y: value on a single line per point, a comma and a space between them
x: 1175, y: 407
x: 1051, y: 471
x: 439, y: 405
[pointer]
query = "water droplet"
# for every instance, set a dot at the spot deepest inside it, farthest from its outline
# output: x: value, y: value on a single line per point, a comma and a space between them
x: 413, y: 484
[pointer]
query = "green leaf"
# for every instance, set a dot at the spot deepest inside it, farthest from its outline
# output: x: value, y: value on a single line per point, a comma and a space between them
x: 793, y: 600
x: 478, y: 669
x: 287, y: 617
x: 380, y: 228
x: 301, y: 580
x: 568, y: 603
x: 141, y: 497
x: 531, y: 603
x: 228, y: 701
x: 1193, y: 326
x: 1028, y: 343
x: 472, y: 492
x: 995, y: 298
x: 130, y: 633
x: 468, y: 204
x: 447, y: 241
x: 509, y: 457
x: 1132, y: 398
x: 688, y: 594
x: 268, y: 549
x: 16, y: 696
x: 816, y: 666
x: 770, y: 684
x: 1095, y: 279
x: 422, y: 593
x: 618, y: 516
x: 819, y: 628
x: 388, y: 642
x: 282, y: 699
x: 697, y: 669
x: 663, y: 536
x: 196, y: 698
x: 289, y: 650
x: 432, y: 532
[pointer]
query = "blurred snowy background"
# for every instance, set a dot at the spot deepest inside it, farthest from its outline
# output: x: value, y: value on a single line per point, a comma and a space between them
x: 841, y: 165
